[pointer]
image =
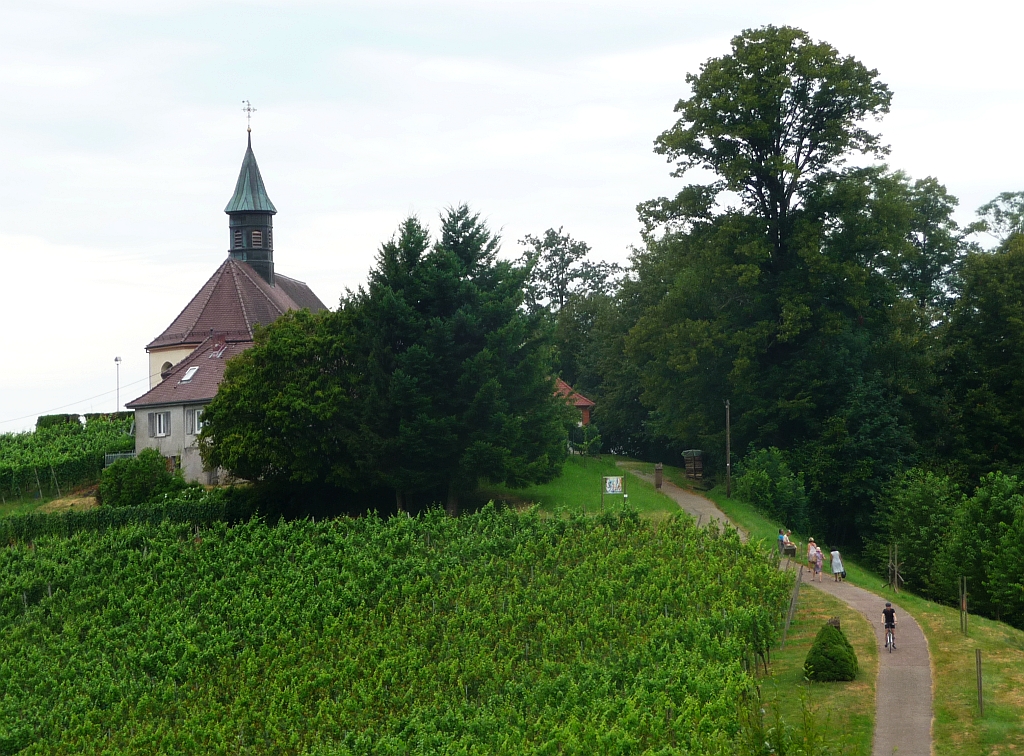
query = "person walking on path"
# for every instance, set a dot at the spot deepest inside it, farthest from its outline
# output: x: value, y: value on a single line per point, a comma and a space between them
x: 838, y: 573
x: 819, y: 562
x: 812, y: 548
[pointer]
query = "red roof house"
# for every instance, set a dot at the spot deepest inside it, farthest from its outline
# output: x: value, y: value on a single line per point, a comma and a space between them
x: 575, y: 399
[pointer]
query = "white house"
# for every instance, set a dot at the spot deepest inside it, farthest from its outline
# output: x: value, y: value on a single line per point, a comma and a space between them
x: 187, y: 359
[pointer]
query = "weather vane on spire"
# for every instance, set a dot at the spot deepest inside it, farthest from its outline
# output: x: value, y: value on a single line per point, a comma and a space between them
x: 248, y: 110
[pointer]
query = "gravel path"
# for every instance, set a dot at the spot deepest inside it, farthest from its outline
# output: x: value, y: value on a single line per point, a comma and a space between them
x: 903, y: 691
x: 696, y: 506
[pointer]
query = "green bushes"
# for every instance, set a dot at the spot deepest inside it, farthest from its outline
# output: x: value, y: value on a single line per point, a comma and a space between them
x: 944, y: 535
x: 60, y: 453
x: 914, y: 513
x: 766, y: 481
x: 831, y: 658
x: 130, y: 482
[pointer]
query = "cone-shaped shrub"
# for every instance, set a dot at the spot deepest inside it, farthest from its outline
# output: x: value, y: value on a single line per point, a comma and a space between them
x: 831, y: 657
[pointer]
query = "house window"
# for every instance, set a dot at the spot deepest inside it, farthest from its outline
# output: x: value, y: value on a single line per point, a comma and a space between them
x: 238, y: 239
x: 193, y: 420
x: 257, y: 239
x: 159, y: 424
x: 189, y: 374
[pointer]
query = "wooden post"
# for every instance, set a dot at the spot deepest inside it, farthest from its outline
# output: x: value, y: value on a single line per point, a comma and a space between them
x: 963, y: 605
x: 728, y: 453
x: 792, y: 604
x: 55, y: 481
x: 894, y: 577
x: 981, y: 702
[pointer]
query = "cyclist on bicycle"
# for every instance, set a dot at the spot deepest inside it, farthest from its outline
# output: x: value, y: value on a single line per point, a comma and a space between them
x: 889, y: 620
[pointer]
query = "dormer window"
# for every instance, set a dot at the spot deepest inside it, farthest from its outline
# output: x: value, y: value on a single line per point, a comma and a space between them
x: 238, y: 239
x: 257, y: 239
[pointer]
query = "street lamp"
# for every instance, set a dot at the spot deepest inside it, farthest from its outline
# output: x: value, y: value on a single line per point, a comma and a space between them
x: 117, y: 366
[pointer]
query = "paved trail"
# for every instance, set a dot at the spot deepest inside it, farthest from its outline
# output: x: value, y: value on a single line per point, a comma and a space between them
x: 903, y: 692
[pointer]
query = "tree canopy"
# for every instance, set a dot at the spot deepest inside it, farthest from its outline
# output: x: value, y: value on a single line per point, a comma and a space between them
x: 807, y: 292
x: 773, y: 115
x: 459, y: 380
x: 433, y: 377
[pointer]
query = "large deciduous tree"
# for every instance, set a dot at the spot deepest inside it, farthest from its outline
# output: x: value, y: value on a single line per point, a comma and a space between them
x: 458, y: 374
x: 286, y: 410
x: 810, y: 301
x: 773, y: 115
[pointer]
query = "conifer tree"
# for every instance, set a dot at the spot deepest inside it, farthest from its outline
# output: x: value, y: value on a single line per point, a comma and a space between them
x: 459, y: 376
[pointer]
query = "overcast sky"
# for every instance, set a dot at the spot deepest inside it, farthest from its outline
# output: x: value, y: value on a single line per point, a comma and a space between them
x: 121, y: 137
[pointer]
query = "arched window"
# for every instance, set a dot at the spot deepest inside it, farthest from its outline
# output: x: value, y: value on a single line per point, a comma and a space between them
x: 165, y: 370
x: 257, y: 239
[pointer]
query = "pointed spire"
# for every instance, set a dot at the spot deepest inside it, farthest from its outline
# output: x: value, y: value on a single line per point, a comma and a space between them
x: 250, y: 194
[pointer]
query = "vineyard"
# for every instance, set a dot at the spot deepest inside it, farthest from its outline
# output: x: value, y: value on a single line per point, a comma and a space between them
x: 497, y: 633
x: 53, y: 457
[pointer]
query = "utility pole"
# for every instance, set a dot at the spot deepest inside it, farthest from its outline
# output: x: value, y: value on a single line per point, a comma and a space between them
x: 728, y: 454
x: 117, y: 367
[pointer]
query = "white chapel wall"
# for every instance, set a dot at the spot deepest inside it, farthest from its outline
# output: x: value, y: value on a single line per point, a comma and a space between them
x: 158, y: 357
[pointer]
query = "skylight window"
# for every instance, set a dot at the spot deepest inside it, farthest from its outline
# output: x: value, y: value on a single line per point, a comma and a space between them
x: 189, y: 373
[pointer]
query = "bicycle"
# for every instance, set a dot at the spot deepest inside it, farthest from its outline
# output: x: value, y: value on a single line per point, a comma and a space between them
x: 890, y: 639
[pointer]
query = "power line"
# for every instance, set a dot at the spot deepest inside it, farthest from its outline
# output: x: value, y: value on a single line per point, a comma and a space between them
x: 70, y: 404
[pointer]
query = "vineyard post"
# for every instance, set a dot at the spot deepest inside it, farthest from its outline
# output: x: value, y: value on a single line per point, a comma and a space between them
x: 981, y: 702
x: 792, y: 604
x: 55, y: 483
x: 963, y: 605
x: 39, y: 488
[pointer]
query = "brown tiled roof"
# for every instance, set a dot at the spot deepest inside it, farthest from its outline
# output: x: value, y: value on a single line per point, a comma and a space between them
x: 208, y: 359
x: 232, y: 302
x: 572, y: 396
x: 300, y: 294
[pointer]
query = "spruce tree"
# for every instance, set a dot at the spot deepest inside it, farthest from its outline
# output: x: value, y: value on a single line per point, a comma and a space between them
x: 458, y: 374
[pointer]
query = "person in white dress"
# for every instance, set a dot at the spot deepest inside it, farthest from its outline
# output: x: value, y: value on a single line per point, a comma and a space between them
x: 837, y: 566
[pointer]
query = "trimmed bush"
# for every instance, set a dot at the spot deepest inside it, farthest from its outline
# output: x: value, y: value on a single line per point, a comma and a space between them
x: 130, y: 482
x: 108, y: 416
x: 50, y: 421
x: 831, y: 658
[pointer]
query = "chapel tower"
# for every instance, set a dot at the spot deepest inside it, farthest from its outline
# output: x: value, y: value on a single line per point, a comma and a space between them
x: 251, y: 220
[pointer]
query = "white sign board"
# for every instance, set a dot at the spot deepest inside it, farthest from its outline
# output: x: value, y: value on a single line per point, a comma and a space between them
x: 613, y: 485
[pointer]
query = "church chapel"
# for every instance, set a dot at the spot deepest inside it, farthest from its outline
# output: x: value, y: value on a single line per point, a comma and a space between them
x: 186, y: 361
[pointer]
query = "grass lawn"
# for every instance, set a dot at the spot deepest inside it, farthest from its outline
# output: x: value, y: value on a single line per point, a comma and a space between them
x: 22, y: 505
x: 958, y: 727
x: 839, y: 707
x: 80, y: 498
x: 579, y: 488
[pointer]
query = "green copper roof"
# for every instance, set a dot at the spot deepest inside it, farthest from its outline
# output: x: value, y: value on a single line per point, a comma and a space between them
x: 250, y: 194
